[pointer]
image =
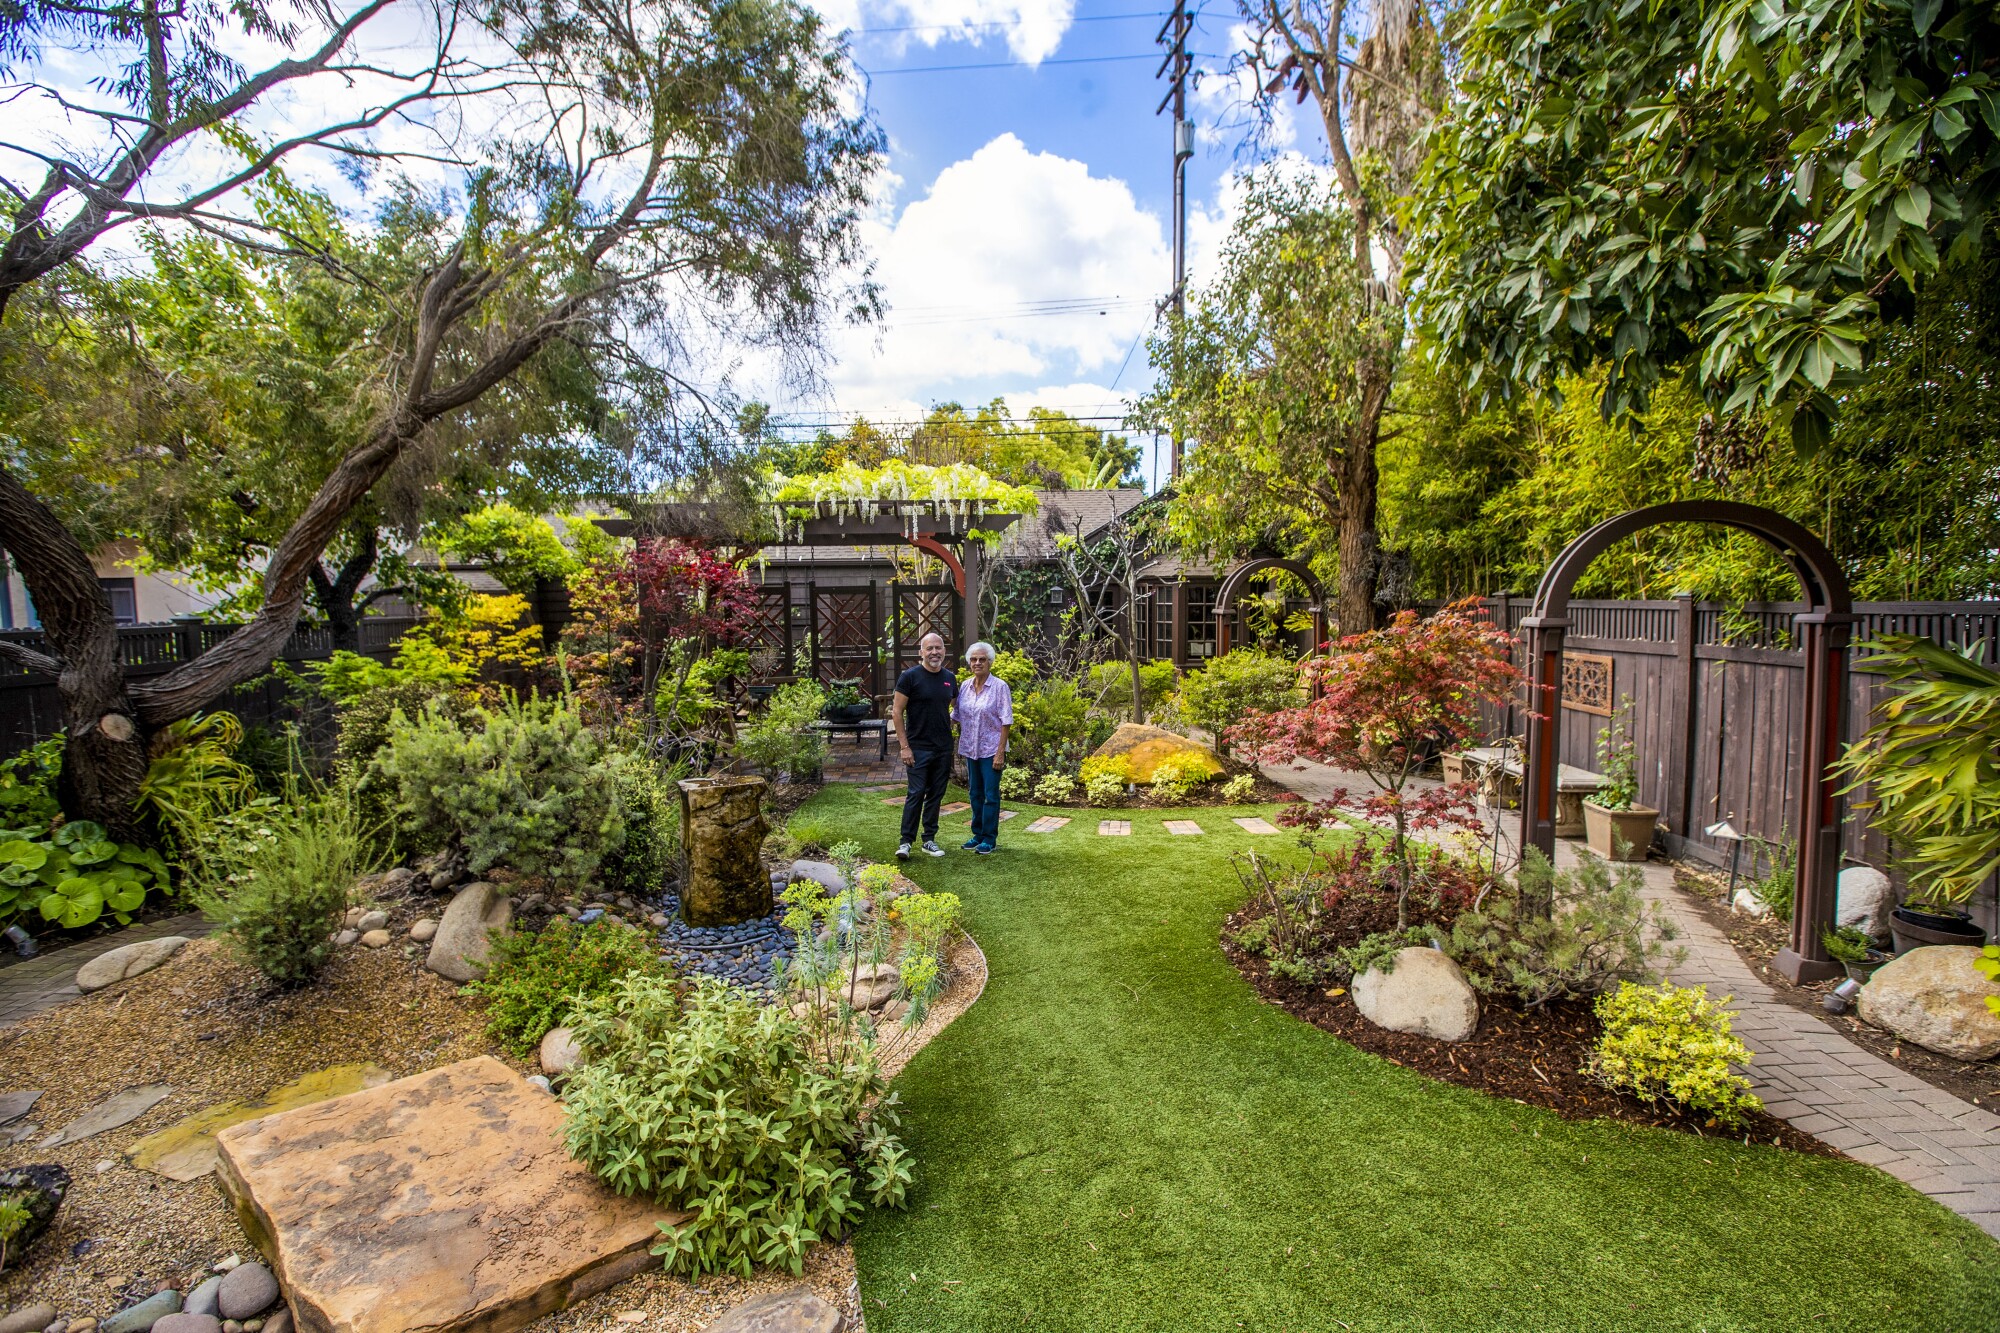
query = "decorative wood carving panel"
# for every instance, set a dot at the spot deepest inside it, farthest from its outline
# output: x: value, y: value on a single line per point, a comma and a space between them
x: 1587, y: 683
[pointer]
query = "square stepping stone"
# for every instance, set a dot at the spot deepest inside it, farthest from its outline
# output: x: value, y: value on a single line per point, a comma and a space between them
x: 1006, y: 815
x: 955, y: 808
x: 894, y: 800
x: 1114, y: 828
x: 1046, y: 824
x: 444, y: 1202
x: 1253, y: 824
x: 1184, y: 827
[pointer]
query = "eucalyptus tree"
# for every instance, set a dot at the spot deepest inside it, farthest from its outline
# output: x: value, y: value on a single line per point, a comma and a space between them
x: 650, y: 173
x: 1374, y: 75
x: 1742, y: 195
x: 1280, y: 371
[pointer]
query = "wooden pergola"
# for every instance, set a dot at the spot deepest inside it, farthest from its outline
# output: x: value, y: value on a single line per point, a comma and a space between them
x: 938, y: 528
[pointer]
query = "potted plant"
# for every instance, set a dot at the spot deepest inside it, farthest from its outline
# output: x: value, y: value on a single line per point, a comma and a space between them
x: 1615, y: 824
x: 1852, y: 949
x: 1931, y: 767
x: 845, y: 702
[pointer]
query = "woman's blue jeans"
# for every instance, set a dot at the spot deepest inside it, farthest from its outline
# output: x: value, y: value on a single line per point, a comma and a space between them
x: 982, y: 787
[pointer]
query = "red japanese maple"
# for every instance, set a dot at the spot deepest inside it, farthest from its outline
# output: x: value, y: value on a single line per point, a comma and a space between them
x: 1387, y: 701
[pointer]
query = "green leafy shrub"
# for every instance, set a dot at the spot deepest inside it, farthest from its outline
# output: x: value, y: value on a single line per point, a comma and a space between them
x: 74, y: 875
x: 1240, y: 789
x: 1779, y: 883
x: 1109, y: 685
x: 1116, y: 766
x: 533, y: 980
x: 1017, y: 669
x: 1617, y: 761
x: 278, y: 888
x: 15, y: 1220
x: 1045, y: 719
x: 1673, y: 1043
x: 652, y: 804
x: 1551, y: 936
x: 1233, y: 687
x: 193, y: 773
x: 1175, y: 779
x: 526, y: 786
x: 1104, y: 789
x: 1016, y: 784
x: 28, y: 785
x: 1988, y: 964
x: 1055, y: 788
x: 780, y: 739
x: 708, y: 1101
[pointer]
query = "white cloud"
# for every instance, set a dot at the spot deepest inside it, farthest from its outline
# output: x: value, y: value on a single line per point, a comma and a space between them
x: 1016, y: 266
x: 1032, y: 29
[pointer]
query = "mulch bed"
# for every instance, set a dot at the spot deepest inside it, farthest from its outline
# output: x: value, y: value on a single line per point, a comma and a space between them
x: 1757, y: 941
x: 1267, y: 792
x: 1533, y: 1058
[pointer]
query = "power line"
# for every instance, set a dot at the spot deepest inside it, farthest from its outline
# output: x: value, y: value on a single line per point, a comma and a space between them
x: 1022, y: 64
x: 1014, y: 23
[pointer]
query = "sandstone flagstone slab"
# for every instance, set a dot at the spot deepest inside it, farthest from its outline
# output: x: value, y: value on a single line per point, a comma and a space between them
x: 894, y: 800
x: 1047, y: 824
x: 443, y: 1202
x: 187, y: 1151
x: 14, y: 1105
x: 1186, y: 828
x: 1114, y: 828
x: 1253, y: 824
x: 956, y: 807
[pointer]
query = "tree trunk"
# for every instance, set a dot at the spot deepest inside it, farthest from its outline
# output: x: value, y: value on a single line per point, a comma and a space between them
x: 336, y: 594
x: 104, y: 747
x: 1359, y: 544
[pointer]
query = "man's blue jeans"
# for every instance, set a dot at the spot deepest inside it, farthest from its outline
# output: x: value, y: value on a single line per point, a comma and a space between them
x: 982, y: 787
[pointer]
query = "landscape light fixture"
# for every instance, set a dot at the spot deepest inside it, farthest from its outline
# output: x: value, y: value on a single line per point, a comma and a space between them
x: 24, y: 943
x: 1723, y: 831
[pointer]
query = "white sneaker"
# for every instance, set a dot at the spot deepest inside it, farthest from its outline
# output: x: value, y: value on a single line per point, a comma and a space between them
x: 933, y: 848
x: 903, y: 852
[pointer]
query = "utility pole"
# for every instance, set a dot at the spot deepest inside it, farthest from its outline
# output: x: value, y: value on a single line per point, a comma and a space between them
x: 1174, y: 36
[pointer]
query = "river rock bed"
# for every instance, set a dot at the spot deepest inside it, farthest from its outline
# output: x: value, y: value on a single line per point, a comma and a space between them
x: 743, y: 953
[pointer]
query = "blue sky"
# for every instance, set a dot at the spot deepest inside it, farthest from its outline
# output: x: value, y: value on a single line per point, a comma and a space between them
x: 1028, y: 174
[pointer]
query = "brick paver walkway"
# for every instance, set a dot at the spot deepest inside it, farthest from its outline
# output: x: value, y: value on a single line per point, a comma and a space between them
x: 1806, y: 1072
x: 28, y: 987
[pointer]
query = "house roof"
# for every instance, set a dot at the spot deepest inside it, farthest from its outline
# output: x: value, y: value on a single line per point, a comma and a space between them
x: 1034, y: 537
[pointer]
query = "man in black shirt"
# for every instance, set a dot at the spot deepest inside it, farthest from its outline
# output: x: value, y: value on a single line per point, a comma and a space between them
x: 923, y: 730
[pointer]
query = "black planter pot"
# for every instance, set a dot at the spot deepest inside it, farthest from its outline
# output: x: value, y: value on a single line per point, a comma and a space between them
x: 1912, y: 928
x: 847, y: 712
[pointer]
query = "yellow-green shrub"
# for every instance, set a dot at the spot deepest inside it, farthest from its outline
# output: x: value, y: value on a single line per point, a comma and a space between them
x: 1175, y: 778
x: 1673, y: 1043
x: 1107, y: 765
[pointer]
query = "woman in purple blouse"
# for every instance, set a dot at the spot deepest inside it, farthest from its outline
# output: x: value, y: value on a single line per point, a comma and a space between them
x: 985, y: 711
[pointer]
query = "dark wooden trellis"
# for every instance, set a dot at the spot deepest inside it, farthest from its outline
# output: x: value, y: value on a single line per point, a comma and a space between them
x: 1824, y: 631
x: 847, y: 625
x: 917, y: 609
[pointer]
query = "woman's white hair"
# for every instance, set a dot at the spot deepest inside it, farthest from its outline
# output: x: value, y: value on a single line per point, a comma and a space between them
x: 991, y: 654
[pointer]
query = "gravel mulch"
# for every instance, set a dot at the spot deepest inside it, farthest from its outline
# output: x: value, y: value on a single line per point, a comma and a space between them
x: 1757, y: 941
x: 214, y: 1030
x: 1532, y: 1057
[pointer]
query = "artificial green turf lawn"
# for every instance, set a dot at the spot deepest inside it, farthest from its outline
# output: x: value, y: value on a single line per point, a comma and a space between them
x: 1121, y: 1135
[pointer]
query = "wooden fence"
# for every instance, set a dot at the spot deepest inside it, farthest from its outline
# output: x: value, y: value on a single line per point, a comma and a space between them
x: 31, y: 710
x: 1716, y: 693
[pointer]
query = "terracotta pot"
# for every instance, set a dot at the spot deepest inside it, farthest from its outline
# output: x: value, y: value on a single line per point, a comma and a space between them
x: 1619, y: 835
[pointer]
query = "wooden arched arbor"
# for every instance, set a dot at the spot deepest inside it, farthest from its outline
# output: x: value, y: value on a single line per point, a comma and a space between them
x: 1825, y: 627
x: 1237, y: 579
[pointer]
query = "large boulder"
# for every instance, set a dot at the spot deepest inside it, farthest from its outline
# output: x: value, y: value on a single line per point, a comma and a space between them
x: 127, y: 960
x: 823, y: 873
x: 722, y: 836
x: 1866, y: 897
x: 1936, y: 998
x: 464, y: 939
x: 1144, y: 747
x: 1422, y: 992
